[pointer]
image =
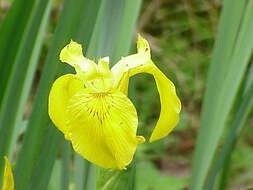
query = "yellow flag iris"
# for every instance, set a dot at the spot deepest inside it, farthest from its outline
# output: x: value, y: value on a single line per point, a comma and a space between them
x: 8, y: 182
x: 93, y: 111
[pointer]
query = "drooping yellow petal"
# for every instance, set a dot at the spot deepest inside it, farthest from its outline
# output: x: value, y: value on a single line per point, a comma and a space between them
x: 8, y: 181
x: 73, y: 55
x: 142, y: 63
x: 102, y: 127
x: 62, y: 90
x: 170, y: 106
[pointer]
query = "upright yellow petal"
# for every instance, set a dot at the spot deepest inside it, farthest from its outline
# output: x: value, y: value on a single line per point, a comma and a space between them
x: 103, y: 68
x: 62, y: 90
x: 142, y: 63
x: 143, y: 46
x: 8, y: 182
x: 73, y: 55
x: 131, y: 65
x: 103, y: 127
x: 122, y: 85
x: 101, y: 80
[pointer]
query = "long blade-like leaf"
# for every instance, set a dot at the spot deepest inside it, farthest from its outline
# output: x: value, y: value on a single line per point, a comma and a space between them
x: 81, y: 172
x: 65, y: 173
x: 43, y: 169
x: 21, y: 76
x: 117, y: 26
x: 12, y: 31
x: 241, y: 116
x: 226, y: 72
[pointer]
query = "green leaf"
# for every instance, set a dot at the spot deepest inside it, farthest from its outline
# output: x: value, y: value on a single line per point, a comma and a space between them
x: 149, y: 177
x: 114, y: 29
x: 81, y: 172
x: 41, y: 175
x: 16, y: 22
x: 91, y: 180
x: 231, y: 55
x: 223, y: 158
x: 65, y: 172
x: 21, y: 75
x: 110, y: 179
x: 55, y: 182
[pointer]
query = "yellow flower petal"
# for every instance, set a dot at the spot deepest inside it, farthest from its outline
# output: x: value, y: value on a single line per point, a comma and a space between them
x: 102, y: 127
x: 8, y: 182
x: 142, y: 63
x: 122, y: 85
x: 170, y: 106
x: 143, y: 46
x: 101, y: 80
x: 103, y: 68
x: 131, y: 65
x: 63, y: 88
x: 73, y: 55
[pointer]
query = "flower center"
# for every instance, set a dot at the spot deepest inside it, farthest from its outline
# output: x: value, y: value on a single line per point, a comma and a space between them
x: 99, y: 85
x: 91, y: 105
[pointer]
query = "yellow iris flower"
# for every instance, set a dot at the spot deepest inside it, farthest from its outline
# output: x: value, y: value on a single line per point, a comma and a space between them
x: 8, y: 182
x: 93, y: 111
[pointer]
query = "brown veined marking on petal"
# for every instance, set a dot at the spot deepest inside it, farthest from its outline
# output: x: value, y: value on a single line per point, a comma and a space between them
x: 84, y: 104
x: 77, y: 107
x: 100, y: 109
x: 94, y: 103
x: 125, y: 146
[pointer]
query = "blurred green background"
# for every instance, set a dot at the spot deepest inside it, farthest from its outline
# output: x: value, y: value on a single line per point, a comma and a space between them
x: 182, y: 36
